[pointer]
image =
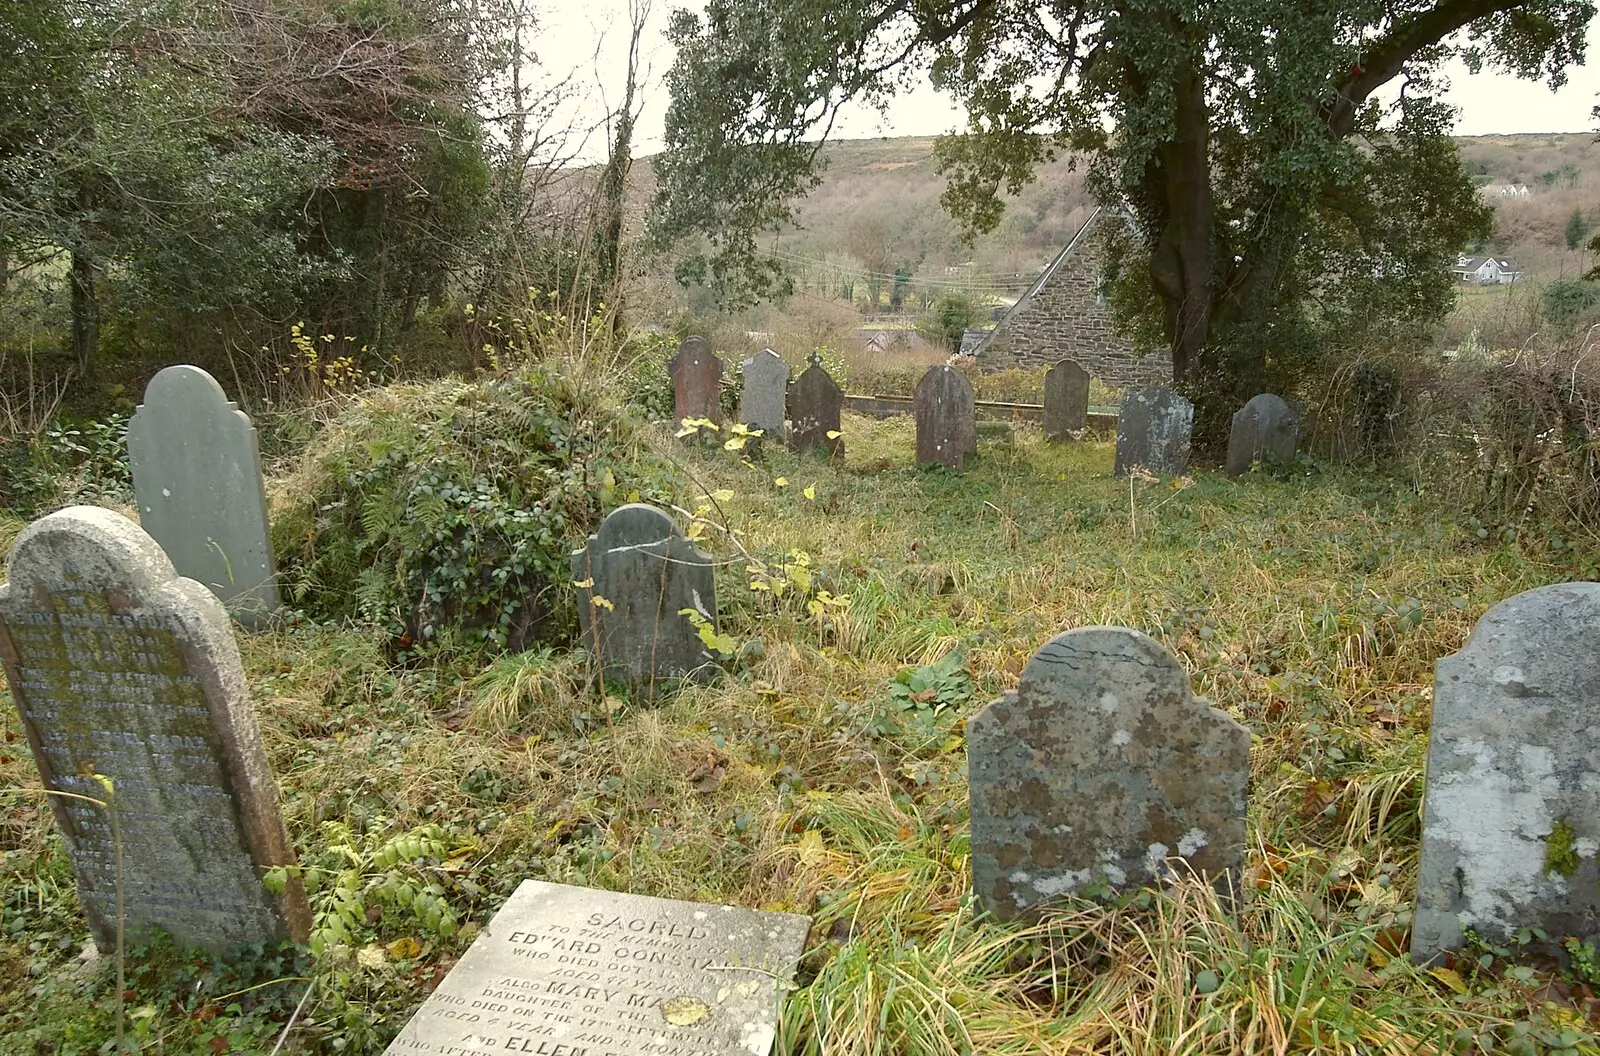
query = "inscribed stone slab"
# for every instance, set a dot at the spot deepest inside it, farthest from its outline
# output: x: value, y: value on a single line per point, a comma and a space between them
x: 1266, y: 429
x: 697, y: 381
x: 1066, y: 400
x: 119, y: 667
x: 946, y: 417
x: 1511, y: 807
x: 197, y: 479
x: 814, y: 406
x: 1153, y: 429
x: 570, y: 971
x: 1100, y: 768
x: 646, y: 572
x: 766, y: 387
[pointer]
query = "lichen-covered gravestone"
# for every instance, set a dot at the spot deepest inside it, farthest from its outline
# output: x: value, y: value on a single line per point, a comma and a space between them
x: 697, y: 381
x: 814, y: 406
x: 197, y: 480
x: 1511, y: 807
x: 571, y: 971
x: 636, y: 575
x: 1153, y: 430
x: 1266, y: 429
x: 946, y: 418
x: 120, y: 668
x: 1066, y: 400
x: 766, y: 385
x: 1101, y: 767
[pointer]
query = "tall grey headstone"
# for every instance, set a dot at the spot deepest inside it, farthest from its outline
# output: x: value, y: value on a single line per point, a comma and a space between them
x: 766, y: 388
x: 697, y: 381
x: 1066, y: 400
x: 1266, y: 429
x: 815, y: 403
x: 121, y: 668
x: 1511, y: 806
x: 641, y: 573
x: 1153, y: 430
x: 947, y: 429
x: 197, y: 480
x: 1098, y: 771
x: 571, y: 971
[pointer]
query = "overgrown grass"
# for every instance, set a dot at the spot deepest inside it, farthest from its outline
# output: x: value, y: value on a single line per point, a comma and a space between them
x: 1310, y: 604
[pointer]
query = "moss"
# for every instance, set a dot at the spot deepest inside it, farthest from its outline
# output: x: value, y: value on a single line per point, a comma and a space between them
x: 1561, y: 855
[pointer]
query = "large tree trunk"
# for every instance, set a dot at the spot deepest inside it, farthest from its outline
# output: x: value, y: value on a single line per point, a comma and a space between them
x: 85, y: 316
x: 1181, y: 265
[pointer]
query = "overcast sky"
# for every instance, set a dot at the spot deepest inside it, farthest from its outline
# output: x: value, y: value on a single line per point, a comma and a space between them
x: 589, y: 38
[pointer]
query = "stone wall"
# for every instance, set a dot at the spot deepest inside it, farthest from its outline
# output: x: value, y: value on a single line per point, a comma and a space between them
x: 1064, y: 317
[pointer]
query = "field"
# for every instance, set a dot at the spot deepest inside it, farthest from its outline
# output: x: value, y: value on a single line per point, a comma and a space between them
x: 1310, y: 604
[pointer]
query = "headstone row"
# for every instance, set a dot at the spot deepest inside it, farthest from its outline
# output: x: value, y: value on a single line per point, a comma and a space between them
x: 1103, y: 772
x: 806, y: 415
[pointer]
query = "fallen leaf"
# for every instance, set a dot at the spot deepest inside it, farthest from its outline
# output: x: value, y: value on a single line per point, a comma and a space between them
x: 404, y: 949
x: 371, y: 957
x: 685, y: 1011
x: 1449, y: 977
x: 707, y: 779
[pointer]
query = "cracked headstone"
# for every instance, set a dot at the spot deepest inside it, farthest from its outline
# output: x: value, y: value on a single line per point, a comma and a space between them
x: 1153, y: 430
x: 635, y: 577
x: 574, y: 971
x: 1066, y: 400
x: 1511, y: 806
x: 766, y: 387
x: 1103, y: 771
x: 815, y: 403
x: 197, y: 480
x: 1266, y: 429
x: 946, y: 418
x: 696, y: 381
x: 121, y: 668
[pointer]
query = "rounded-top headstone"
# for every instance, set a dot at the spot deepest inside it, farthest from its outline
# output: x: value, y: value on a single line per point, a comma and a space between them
x: 697, y: 381
x: 766, y: 386
x: 946, y: 417
x: 1266, y: 429
x: 1153, y: 432
x: 1099, y: 771
x: 1066, y: 400
x: 1511, y: 809
x: 197, y: 481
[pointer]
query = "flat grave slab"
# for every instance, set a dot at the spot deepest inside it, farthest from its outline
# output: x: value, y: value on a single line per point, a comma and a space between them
x: 573, y: 971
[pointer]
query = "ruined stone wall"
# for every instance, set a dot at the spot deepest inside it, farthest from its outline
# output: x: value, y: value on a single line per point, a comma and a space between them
x: 1066, y: 318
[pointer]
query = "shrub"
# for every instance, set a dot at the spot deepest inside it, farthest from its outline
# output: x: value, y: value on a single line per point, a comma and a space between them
x: 1567, y: 299
x: 445, y: 512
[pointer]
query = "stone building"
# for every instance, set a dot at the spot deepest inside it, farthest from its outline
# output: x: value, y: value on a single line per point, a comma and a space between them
x: 1064, y: 315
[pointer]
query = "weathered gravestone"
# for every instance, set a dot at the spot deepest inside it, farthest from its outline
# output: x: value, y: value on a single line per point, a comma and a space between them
x: 1266, y: 429
x: 1511, y: 807
x: 814, y: 406
x: 120, y: 668
x: 1066, y: 400
x: 1153, y: 428
x: 197, y: 480
x: 637, y: 574
x: 766, y: 386
x: 946, y: 418
x: 570, y: 971
x: 696, y: 381
x: 1097, y: 770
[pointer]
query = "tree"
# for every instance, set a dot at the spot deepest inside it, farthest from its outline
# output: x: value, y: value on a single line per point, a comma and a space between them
x: 1270, y: 195
x: 1577, y: 229
x: 951, y: 316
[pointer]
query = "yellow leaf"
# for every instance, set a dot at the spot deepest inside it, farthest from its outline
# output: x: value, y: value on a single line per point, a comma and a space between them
x: 811, y: 491
x: 782, y: 482
x: 811, y: 845
x: 734, y: 443
x: 1450, y: 978
x: 834, y: 434
x: 685, y: 1011
x: 722, y: 494
x: 604, y: 603
x: 404, y: 949
x: 583, y: 584
x: 371, y: 957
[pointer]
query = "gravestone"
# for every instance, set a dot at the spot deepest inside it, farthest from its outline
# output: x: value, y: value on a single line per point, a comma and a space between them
x: 946, y: 417
x: 1100, y: 768
x: 1153, y: 429
x: 197, y: 481
x: 640, y: 573
x: 1066, y: 400
x: 814, y: 406
x: 121, y: 668
x: 1266, y: 429
x: 1511, y: 807
x: 766, y: 387
x: 570, y: 971
x: 697, y: 381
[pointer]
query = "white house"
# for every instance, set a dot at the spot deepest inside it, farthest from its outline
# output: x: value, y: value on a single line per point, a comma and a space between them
x: 1486, y: 271
x: 1506, y: 190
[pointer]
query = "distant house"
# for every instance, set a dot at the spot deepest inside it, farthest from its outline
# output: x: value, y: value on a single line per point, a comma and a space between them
x: 1506, y: 190
x: 1486, y: 271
